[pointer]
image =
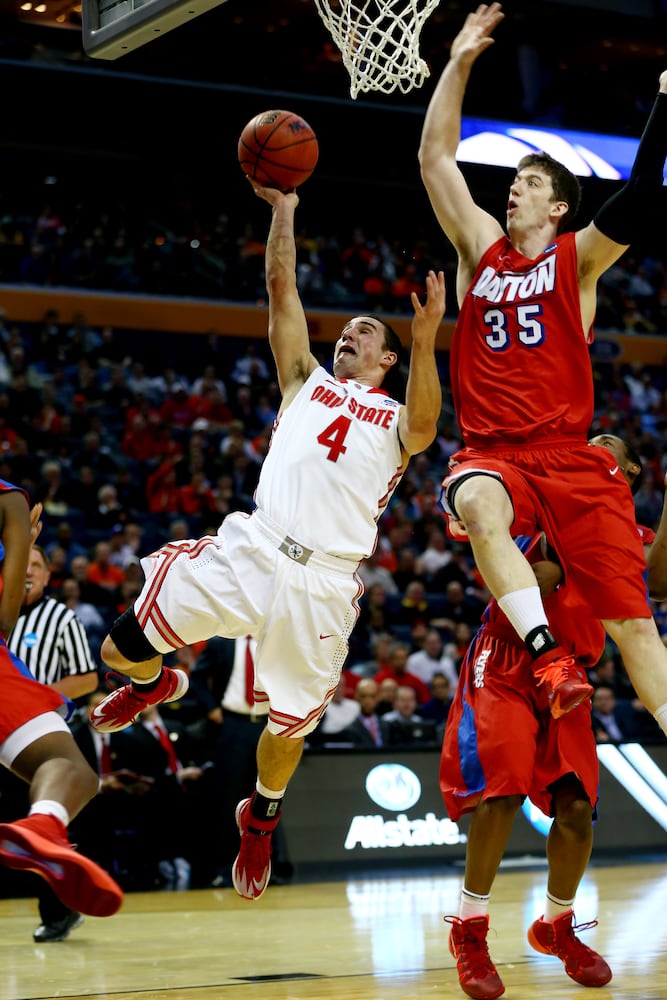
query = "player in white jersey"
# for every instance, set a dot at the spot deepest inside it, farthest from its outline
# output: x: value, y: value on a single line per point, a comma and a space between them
x: 287, y: 572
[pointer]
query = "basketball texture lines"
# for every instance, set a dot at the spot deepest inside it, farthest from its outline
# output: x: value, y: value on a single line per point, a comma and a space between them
x: 278, y: 149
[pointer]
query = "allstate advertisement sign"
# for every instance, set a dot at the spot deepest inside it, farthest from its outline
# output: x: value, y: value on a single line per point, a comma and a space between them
x: 396, y: 788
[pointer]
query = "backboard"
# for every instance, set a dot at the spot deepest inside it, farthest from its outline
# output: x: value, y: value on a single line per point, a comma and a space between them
x: 111, y: 28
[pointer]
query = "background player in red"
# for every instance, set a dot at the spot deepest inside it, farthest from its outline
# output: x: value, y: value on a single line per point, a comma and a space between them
x: 37, y: 745
x: 286, y: 574
x: 523, y: 388
x: 501, y: 745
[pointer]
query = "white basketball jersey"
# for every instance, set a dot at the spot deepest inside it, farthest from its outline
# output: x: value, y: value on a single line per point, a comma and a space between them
x: 333, y: 464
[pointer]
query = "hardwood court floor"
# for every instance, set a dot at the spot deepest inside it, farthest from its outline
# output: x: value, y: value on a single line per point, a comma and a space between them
x: 379, y: 938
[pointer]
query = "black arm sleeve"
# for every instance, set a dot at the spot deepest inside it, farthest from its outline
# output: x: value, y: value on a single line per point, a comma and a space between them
x: 623, y: 216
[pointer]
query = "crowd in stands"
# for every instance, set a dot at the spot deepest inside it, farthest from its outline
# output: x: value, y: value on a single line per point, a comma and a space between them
x: 186, y: 254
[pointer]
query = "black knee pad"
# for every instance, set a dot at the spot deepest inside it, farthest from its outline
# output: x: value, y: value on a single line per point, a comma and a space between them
x: 130, y: 640
x: 450, y: 492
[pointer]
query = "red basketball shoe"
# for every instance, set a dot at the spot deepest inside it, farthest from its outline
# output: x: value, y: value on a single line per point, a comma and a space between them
x: 565, y: 683
x: 121, y: 708
x: 252, y: 869
x: 477, y: 973
x: 39, y: 844
x: 581, y: 963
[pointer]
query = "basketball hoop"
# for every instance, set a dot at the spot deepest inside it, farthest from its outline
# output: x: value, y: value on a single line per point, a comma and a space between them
x: 379, y: 41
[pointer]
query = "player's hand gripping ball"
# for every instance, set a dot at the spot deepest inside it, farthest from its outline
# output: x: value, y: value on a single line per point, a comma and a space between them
x: 278, y: 149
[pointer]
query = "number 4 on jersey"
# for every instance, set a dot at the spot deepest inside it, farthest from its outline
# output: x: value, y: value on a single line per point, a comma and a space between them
x: 333, y: 437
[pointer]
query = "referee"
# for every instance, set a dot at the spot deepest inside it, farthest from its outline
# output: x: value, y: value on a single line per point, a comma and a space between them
x: 49, y: 638
x: 52, y: 642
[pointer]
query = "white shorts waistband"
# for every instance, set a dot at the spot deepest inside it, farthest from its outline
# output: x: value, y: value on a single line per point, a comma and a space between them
x: 295, y: 550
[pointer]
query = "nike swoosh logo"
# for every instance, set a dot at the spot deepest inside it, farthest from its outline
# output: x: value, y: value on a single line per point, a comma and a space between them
x: 612, y: 472
x: 330, y: 636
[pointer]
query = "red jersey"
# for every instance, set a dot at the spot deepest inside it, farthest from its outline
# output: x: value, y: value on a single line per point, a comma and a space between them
x: 520, y: 366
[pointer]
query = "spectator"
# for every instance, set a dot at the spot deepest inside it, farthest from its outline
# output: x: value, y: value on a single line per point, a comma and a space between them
x: 387, y: 690
x: 426, y: 663
x: 380, y: 646
x: 371, y: 571
x: 398, y: 671
x: 128, y: 542
x: 102, y: 573
x: 434, y: 557
x: 163, y: 494
x: 110, y: 514
x: 438, y: 705
x: 209, y: 381
x: 65, y: 540
x: 403, y: 725
x: 339, y: 714
x: 365, y: 729
x: 414, y: 606
x: 95, y: 455
x: 250, y: 369
x: 197, y: 499
x: 617, y: 720
x: 87, y: 614
x: 458, y: 606
x: 52, y: 492
x: 176, y: 805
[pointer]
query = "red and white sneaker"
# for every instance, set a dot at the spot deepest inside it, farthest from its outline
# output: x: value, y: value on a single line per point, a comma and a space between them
x: 39, y: 844
x: 121, y: 708
x: 581, y: 963
x: 565, y: 682
x: 478, y: 976
x: 252, y: 869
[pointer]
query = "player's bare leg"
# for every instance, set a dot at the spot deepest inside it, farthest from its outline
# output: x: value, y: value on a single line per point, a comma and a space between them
x: 645, y: 659
x: 485, y: 510
x: 258, y: 816
x: 569, y: 846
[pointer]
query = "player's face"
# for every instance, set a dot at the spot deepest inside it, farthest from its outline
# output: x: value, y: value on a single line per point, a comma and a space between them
x: 530, y: 200
x: 616, y: 446
x: 360, y: 349
x: 37, y: 575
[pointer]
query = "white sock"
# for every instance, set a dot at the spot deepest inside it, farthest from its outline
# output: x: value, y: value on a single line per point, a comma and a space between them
x: 524, y: 609
x: 555, y: 908
x: 660, y: 716
x: 472, y: 904
x: 51, y: 808
x: 269, y: 793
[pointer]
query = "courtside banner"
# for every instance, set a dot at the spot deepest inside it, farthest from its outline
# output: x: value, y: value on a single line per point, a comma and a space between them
x: 349, y: 807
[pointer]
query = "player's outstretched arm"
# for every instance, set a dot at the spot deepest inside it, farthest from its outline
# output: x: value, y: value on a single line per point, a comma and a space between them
x: 470, y: 229
x: 418, y: 422
x: 656, y: 559
x: 288, y: 329
x: 626, y: 215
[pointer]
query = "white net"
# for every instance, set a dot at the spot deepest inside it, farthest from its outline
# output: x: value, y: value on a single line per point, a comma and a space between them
x: 379, y: 41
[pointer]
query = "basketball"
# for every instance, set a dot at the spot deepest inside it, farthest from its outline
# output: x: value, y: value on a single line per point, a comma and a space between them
x: 278, y: 149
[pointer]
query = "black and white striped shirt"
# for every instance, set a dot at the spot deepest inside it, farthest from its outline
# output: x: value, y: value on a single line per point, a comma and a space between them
x: 51, y: 641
